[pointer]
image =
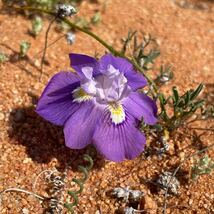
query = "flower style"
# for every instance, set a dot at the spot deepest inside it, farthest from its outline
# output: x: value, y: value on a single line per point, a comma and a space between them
x: 99, y: 104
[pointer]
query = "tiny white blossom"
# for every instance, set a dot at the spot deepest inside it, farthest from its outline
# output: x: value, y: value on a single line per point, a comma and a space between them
x: 64, y: 10
x: 70, y: 38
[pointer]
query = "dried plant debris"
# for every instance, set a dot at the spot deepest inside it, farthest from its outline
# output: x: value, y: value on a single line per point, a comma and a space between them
x: 56, y: 184
x: 127, y: 194
x: 163, y: 149
x: 207, y: 113
x: 205, y: 165
x: 163, y: 145
x: 129, y: 210
x: 166, y: 179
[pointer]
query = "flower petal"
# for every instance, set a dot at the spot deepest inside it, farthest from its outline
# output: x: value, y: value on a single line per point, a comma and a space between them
x: 118, y: 142
x: 83, y: 63
x: 135, y: 79
x: 55, y: 103
x: 79, y: 128
x: 140, y: 105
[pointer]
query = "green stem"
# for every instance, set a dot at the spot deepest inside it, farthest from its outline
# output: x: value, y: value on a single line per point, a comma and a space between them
x: 101, y: 41
x: 74, y: 26
x: 109, y: 47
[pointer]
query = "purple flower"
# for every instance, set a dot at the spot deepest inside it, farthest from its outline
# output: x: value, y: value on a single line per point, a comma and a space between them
x: 99, y: 105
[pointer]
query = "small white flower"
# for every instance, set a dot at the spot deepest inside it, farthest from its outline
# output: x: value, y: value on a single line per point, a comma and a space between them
x: 70, y: 38
x: 64, y: 10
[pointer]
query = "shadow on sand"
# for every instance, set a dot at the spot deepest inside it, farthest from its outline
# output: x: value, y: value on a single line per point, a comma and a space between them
x: 44, y: 141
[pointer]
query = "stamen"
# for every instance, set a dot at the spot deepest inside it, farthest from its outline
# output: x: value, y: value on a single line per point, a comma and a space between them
x: 80, y: 95
x: 117, y: 113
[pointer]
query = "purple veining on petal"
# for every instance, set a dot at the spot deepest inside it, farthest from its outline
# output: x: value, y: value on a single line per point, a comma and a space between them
x: 55, y: 103
x: 79, y: 128
x: 118, y: 142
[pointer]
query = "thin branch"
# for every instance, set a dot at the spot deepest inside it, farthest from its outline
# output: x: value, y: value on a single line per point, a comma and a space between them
x: 37, y: 177
x: 51, y: 44
x: 203, y: 129
x: 46, y: 44
x: 23, y: 191
x: 101, y: 41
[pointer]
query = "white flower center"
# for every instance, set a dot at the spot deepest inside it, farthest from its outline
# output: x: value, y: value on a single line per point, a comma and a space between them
x: 117, y: 113
x: 111, y: 86
x: 107, y: 89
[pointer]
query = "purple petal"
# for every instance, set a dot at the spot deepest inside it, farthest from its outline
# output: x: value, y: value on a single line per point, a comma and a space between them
x: 140, y: 105
x: 55, y: 103
x: 135, y: 79
x: 79, y: 61
x: 79, y: 128
x: 118, y: 142
x: 118, y: 63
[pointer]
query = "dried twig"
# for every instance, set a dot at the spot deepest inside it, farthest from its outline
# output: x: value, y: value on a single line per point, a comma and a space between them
x: 23, y: 191
x: 203, y: 129
x: 37, y: 177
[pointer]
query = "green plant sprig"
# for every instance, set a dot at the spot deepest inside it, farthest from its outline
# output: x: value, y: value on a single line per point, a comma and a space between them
x: 80, y: 182
x: 24, y: 47
x: 3, y: 58
x: 183, y: 106
x: 203, y: 166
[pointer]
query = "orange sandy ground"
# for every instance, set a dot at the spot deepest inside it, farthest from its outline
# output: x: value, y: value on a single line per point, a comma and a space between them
x: 185, y: 37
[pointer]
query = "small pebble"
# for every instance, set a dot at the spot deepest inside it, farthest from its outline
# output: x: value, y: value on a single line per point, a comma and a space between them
x: 148, y: 203
x: 2, y: 116
x: 25, y: 211
x: 27, y: 160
